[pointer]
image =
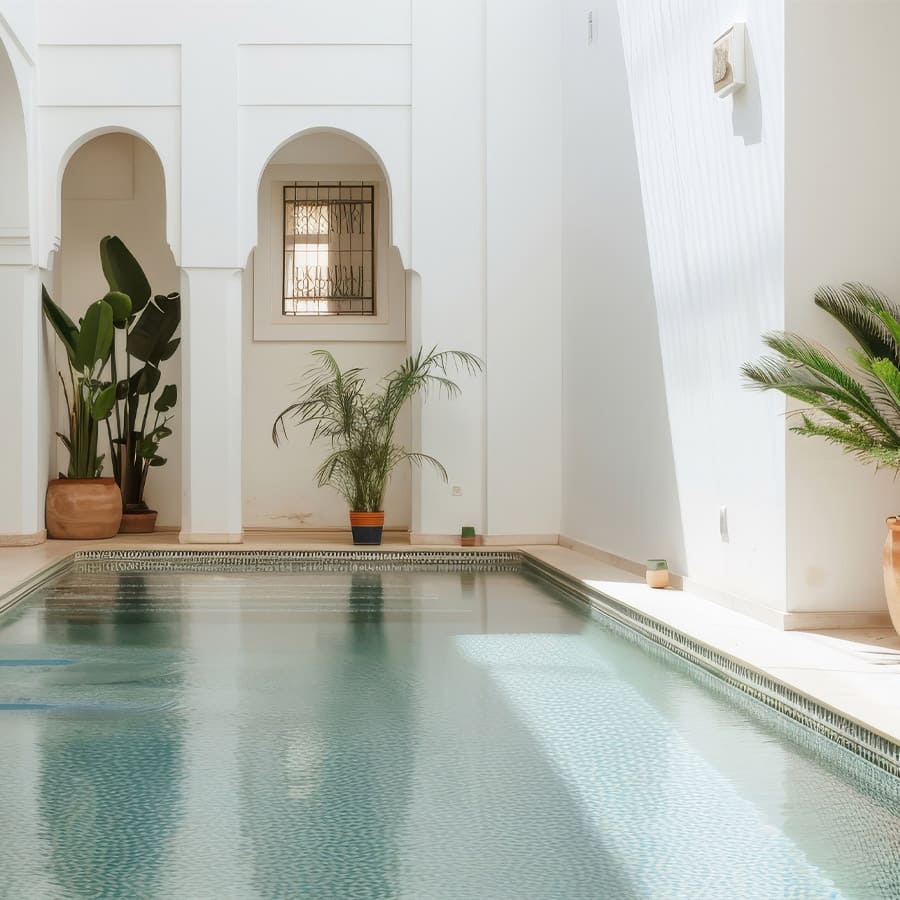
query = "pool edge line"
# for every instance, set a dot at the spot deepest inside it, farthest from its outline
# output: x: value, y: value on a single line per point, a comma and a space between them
x: 804, y: 709
x: 16, y: 594
x: 850, y: 734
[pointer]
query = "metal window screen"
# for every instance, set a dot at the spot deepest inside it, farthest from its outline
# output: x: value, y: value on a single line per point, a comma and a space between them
x: 329, y: 249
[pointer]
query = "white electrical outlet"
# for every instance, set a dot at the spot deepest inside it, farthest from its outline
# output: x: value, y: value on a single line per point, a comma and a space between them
x: 456, y: 491
x: 723, y: 523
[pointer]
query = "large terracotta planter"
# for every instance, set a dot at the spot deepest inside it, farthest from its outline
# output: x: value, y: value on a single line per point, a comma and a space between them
x: 367, y: 527
x: 82, y: 509
x: 892, y: 570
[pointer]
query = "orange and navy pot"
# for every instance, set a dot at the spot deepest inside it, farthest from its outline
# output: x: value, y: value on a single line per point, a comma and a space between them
x: 367, y: 527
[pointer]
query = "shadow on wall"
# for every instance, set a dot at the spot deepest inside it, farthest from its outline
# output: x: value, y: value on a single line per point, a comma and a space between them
x: 746, y: 113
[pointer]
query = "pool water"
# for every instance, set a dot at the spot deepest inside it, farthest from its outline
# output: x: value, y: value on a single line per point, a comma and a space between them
x: 453, y: 733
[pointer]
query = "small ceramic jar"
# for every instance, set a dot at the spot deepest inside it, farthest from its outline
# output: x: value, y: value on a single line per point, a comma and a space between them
x: 657, y: 573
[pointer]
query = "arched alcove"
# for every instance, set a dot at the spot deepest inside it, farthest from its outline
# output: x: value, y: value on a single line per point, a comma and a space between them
x: 114, y: 184
x: 13, y: 157
x: 279, y: 486
x: 23, y: 404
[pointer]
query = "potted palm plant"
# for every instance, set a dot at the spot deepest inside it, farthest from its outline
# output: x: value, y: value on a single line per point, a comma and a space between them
x: 139, y: 420
x: 81, y: 504
x: 859, y: 410
x: 358, y: 425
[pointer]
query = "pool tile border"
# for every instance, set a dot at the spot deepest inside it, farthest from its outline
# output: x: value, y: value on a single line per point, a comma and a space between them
x: 846, y: 733
x: 806, y: 711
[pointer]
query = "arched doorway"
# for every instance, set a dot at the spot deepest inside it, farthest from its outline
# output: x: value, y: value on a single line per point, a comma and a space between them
x: 114, y: 184
x: 281, y: 329
x: 23, y: 462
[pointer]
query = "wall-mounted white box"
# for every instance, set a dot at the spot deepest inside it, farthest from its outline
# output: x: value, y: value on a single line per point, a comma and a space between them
x: 729, y: 61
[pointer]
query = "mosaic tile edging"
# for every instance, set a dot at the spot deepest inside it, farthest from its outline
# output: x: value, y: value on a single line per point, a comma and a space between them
x: 284, y: 560
x: 842, y: 731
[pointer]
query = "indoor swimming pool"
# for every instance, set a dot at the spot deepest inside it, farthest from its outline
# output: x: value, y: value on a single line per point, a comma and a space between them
x: 324, y: 729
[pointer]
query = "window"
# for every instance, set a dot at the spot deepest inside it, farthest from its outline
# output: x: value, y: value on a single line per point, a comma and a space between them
x: 305, y: 286
x: 329, y: 249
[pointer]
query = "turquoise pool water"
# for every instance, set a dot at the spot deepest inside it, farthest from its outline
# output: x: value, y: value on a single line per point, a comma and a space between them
x: 395, y: 734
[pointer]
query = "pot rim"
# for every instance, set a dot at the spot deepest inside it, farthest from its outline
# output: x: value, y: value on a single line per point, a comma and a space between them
x: 82, y: 481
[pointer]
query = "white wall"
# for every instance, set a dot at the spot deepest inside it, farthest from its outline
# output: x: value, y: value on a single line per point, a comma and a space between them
x: 619, y: 489
x: 279, y: 483
x: 114, y: 184
x: 448, y: 250
x: 843, y: 186
x: 524, y: 268
x: 711, y: 179
x: 24, y: 396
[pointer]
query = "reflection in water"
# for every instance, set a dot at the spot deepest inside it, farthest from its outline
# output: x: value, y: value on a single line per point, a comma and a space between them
x: 326, y: 735
x: 109, y: 784
x: 330, y: 788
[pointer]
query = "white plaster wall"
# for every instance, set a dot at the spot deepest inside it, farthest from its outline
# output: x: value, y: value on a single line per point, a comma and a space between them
x: 448, y: 250
x: 712, y: 175
x: 217, y: 104
x: 618, y: 477
x: 114, y: 185
x: 523, y: 259
x: 843, y: 186
x: 279, y: 482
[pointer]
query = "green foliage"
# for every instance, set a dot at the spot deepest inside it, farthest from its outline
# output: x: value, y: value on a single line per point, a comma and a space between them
x: 123, y: 273
x: 124, y: 403
x: 857, y: 411
x: 88, y: 347
x: 359, y: 424
x: 149, y: 323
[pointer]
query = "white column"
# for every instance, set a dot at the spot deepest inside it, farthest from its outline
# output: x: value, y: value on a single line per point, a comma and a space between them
x: 24, y: 405
x: 523, y: 237
x: 211, y: 290
x: 448, y: 255
x: 211, y: 423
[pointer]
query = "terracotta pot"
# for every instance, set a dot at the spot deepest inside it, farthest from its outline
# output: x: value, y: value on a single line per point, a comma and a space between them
x: 83, y: 509
x: 892, y: 570
x: 141, y: 522
x: 367, y: 527
x: 657, y: 578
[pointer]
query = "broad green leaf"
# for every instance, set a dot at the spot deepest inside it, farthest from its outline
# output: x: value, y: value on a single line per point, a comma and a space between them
x: 66, y: 330
x: 121, y: 307
x: 96, y: 337
x: 148, y: 380
x: 170, y: 349
x: 122, y: 389
x: 149, y: 338
x: 104, y: 403
x: 123, y: 272
x: 158, y: 461
x: 166, y: 399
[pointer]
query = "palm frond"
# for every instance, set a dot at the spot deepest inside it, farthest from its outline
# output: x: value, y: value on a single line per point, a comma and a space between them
x: 860, y: 412
x: 359, y: 425
x: 860, y: 309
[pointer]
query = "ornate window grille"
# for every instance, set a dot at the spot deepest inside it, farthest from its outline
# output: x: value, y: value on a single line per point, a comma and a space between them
x: 329, y: 249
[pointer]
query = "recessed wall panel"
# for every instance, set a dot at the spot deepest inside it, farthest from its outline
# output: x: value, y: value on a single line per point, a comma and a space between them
x: 303, y: 75
x: 109, y: 76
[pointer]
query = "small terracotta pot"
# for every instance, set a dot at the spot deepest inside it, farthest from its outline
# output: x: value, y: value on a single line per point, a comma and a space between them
x: 142, y: 522
x: 367, y: 527
x: 83, y: 509
x: 658, y: 578
x: 891, y: 560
